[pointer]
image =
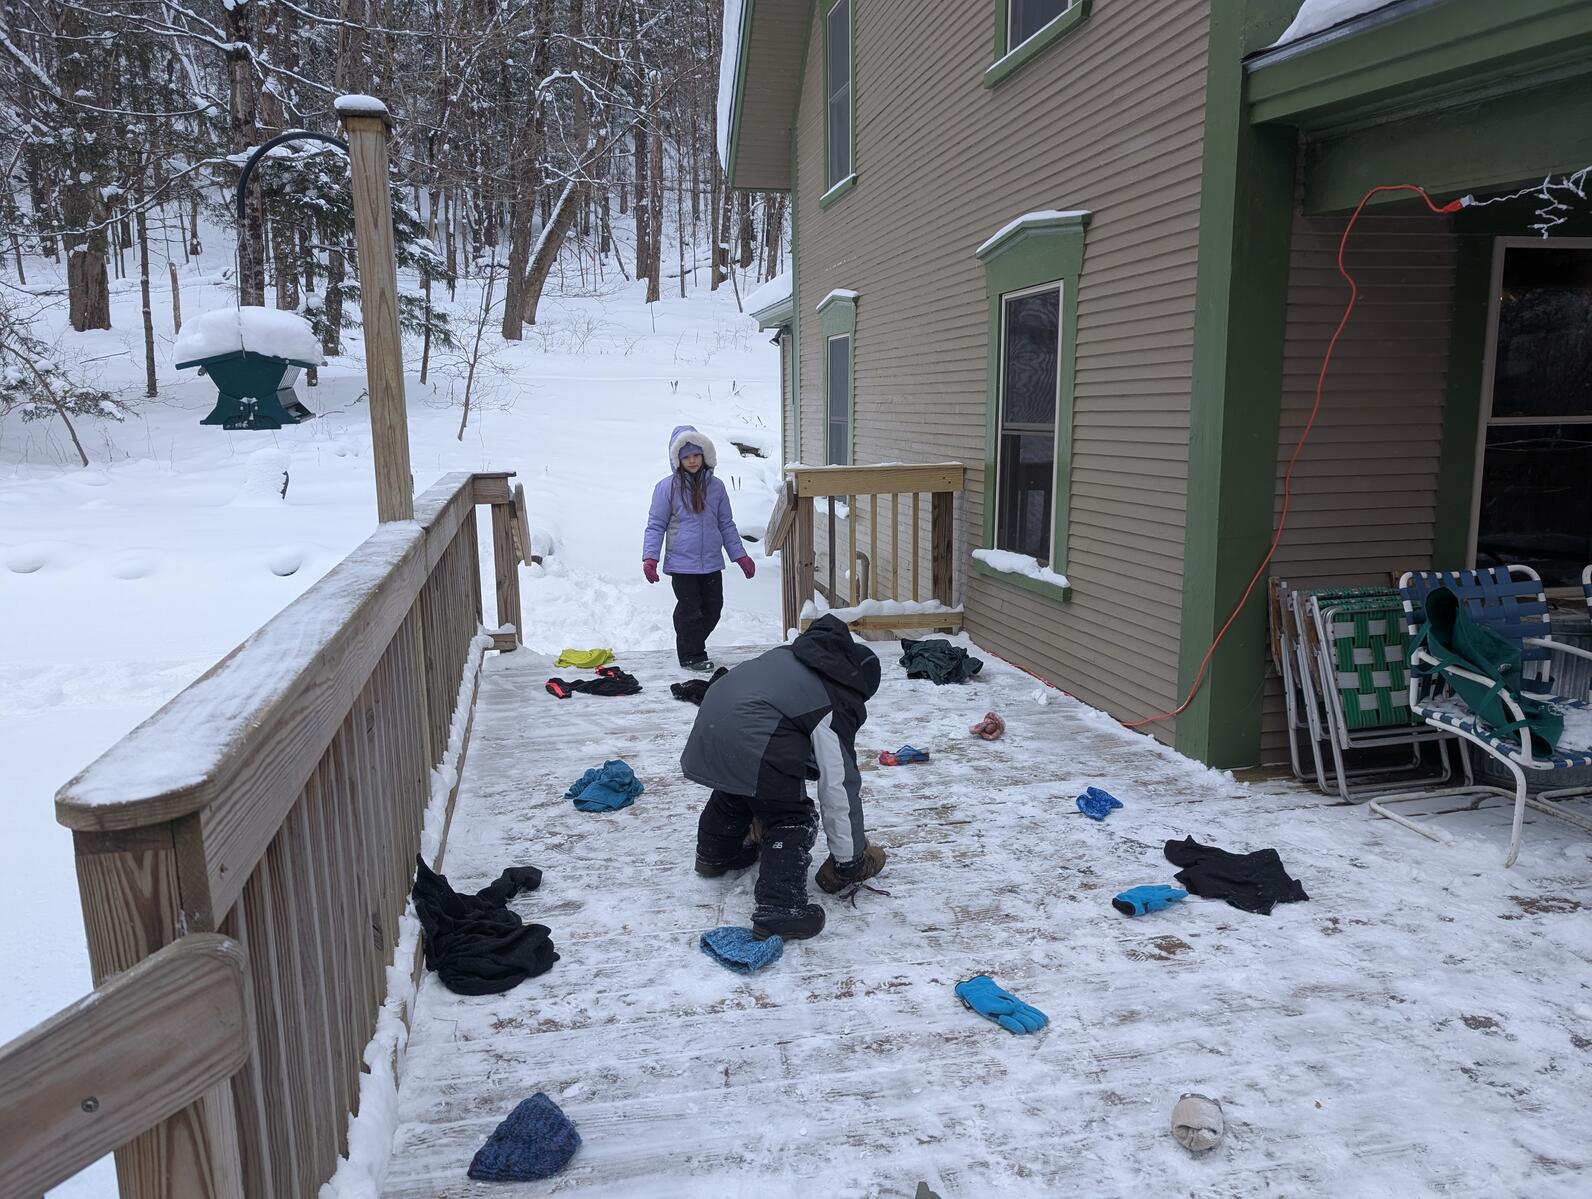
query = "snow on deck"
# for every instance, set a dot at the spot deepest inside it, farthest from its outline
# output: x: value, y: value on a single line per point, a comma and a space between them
x: 1422, y: 1025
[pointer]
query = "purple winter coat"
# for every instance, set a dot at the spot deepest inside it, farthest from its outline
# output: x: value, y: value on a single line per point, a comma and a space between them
x: 697, y: 541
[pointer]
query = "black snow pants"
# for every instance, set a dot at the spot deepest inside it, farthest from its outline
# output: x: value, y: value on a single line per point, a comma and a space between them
x: 699, y: 603
x: 789, y: 829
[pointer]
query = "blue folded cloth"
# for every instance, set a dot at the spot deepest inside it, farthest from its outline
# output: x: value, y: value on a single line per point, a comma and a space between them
x: 1136, y: 901
x: 606, y: 788
x: 1097, y: 804
x: 738, y: 949
x: 536, y: 1141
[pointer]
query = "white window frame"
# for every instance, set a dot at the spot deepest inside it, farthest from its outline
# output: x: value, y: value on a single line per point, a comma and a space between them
x: 1059, y: 286
x: 1501, y: 245
x: 831, y: 184
x: 829, y: 387
x: 1011, y: 23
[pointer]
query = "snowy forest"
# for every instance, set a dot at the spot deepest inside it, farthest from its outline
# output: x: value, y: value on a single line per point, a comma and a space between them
x: 525, y: 133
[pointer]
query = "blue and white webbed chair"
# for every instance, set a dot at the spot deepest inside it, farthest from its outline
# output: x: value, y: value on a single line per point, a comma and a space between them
x: 1511, y: 602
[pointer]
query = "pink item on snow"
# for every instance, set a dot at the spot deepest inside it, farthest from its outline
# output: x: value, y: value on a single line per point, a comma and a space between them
x: 990, y: 728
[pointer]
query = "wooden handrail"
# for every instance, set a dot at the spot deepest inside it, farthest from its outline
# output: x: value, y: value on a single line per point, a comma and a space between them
x: 279, y: 800
x: 119, y: 1061
x: 792, y: 531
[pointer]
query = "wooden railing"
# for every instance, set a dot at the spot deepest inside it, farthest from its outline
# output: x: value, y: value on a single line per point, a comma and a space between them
x: 279, y: 801
x: 866, y: 559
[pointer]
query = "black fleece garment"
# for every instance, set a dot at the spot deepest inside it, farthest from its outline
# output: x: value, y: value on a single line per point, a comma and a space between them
x: 1251, y: 882
x: 692, y: 690
x: 475, y: 943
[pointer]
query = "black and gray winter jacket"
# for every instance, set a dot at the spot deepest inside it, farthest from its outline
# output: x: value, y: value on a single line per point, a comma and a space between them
x: 788, y: 716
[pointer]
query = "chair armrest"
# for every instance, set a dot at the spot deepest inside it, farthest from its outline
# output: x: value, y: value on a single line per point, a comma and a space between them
x: 1560, y: 647
x: 1515, y: 712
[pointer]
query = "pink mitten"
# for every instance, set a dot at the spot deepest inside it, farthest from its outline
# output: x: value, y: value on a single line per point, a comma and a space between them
x: 748, y: 567
x: 650, y: 569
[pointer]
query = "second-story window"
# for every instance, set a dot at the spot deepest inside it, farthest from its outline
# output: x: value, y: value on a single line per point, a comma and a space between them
x: 1025, y: 18
x: 837, y: 87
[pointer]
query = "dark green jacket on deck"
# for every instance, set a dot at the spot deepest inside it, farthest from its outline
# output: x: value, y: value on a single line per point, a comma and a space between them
x: 1456, y: 639
x: 939, y: 661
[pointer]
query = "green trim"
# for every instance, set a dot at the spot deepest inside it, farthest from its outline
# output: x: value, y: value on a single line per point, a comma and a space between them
x: 842, y: 186
x: 1009, y: 62
x: 1246, y: 212
x: 796, y: 283
x: 837, y: 314
x: 1448, y: 53
x: 1027, y: 254
x: 1467, y: 346
x: 840, y: 189
x: 1038, y: 586
x: 738, y: 90
x: 1525, y: 136
x: 778, y: 313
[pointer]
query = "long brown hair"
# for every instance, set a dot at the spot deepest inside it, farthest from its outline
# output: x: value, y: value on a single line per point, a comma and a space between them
x: 693, y: 488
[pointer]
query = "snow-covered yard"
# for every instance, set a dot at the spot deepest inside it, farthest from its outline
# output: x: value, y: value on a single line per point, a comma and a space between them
x: 1422, y: 1025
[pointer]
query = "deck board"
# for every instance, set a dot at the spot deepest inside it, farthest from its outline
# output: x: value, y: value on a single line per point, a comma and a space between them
x: 1422, y: 1026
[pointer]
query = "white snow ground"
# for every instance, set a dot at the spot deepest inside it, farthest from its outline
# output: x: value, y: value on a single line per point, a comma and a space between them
x: 121, y: 583
x: 1421, y: 1026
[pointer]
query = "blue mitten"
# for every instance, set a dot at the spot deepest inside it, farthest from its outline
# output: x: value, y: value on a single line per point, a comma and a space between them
x: 992, y: 1001
x: 1097, y: 804
x: 1136, y: 901
x: 738, y: 949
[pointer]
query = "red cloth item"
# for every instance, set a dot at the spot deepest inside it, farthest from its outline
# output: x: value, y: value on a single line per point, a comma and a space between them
x: 650, y: 569
x: 990, y: 728
x: 748, y: 567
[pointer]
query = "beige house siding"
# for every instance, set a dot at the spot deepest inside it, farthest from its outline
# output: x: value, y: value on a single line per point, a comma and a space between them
x: 1109, y: 119
x: 1365, y: 490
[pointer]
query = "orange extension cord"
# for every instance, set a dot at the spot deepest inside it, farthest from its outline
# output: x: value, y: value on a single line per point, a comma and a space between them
x: 1304, y: 436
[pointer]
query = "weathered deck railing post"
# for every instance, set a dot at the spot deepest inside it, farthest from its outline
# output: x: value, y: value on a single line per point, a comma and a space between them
x: 280, y: 801
x: 510, y: 545
x: 368, y: 125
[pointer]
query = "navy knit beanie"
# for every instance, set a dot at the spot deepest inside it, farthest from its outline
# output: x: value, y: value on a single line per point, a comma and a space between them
x: 536, y: 1141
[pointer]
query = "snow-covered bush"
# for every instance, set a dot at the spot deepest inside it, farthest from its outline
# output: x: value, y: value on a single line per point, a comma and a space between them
x: 36, y: 384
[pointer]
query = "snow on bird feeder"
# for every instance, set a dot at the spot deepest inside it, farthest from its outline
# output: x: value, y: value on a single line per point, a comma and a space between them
x: 254, y: 355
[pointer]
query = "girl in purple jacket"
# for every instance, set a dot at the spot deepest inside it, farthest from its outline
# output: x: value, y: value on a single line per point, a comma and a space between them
x: 692, y: 508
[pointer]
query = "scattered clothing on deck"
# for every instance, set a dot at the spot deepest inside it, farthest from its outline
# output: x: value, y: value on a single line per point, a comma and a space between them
x: 584, y: 659
x: 1251, y: 882
x: 692, y: 690
x: 1097, y: 803
x: 904, y: 756
x: 991, y: 728
x: 739, y: 949
x: 606, y: 788
x: 476, y: 945
x: 994, y: 1002
x: 610, y: 681
x: 536, y: 1141
x: 938, y: 661
x: 1136, y: 901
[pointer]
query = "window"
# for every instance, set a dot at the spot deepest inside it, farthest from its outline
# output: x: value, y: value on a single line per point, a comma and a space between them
x: 1031, y: 272
x: 1534, y: 501
x: 1026, y: 456
x: 837, y: 374
x: 837, y: 91
x: 1024, y: 18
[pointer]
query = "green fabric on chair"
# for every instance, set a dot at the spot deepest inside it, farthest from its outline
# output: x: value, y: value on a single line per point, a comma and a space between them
x: 1455, y: 639
x: 1369, y: 652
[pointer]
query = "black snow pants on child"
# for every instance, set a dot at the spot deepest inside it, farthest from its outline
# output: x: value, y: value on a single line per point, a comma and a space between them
x: 789, y: 829
x: 700, y: 602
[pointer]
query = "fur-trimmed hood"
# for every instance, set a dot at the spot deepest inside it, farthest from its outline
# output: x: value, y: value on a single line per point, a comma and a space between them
x: 688, y: 434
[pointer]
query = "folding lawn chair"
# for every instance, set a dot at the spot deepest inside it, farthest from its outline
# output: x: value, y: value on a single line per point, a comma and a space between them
x: 1361, y: 650
x: 1511, y: 602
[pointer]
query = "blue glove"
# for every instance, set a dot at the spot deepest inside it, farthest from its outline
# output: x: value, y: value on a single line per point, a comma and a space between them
x: 1097, y: 804
x: 992, y: 1001
x: 1138, y: 900
x: 738, y: 949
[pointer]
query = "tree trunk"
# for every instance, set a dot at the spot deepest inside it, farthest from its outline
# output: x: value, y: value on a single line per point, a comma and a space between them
x: 287, y: 289
x: 336, y: 272
x: 748, y: 232
x: 425, y: 338
x: 243, y: 128
x: 83, y: 212
x: 655, y: 190
x: 643, y: 218
x: 150, y: 388
x: 194, y: 246
x: 176, y: 298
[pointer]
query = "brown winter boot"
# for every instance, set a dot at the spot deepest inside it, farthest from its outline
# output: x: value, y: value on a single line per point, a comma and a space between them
x: 832, y: 878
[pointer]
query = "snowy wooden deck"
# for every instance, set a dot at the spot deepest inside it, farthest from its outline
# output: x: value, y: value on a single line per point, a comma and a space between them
x: 1422, y: 1026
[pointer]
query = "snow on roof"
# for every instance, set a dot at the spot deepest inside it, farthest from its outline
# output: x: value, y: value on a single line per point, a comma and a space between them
x: 773, y: 292
x: 1043, y: 217
x: 840, y: 293
x: 1316, y: 15
x: 260, y: 330
x: 359, y: 105
x: 729, y: 63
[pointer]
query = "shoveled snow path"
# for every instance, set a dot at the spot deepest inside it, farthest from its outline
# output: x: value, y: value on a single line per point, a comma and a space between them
x: 1422, y: 1025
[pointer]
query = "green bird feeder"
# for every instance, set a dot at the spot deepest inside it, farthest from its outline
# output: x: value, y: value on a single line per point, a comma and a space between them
x: 256, y: 390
